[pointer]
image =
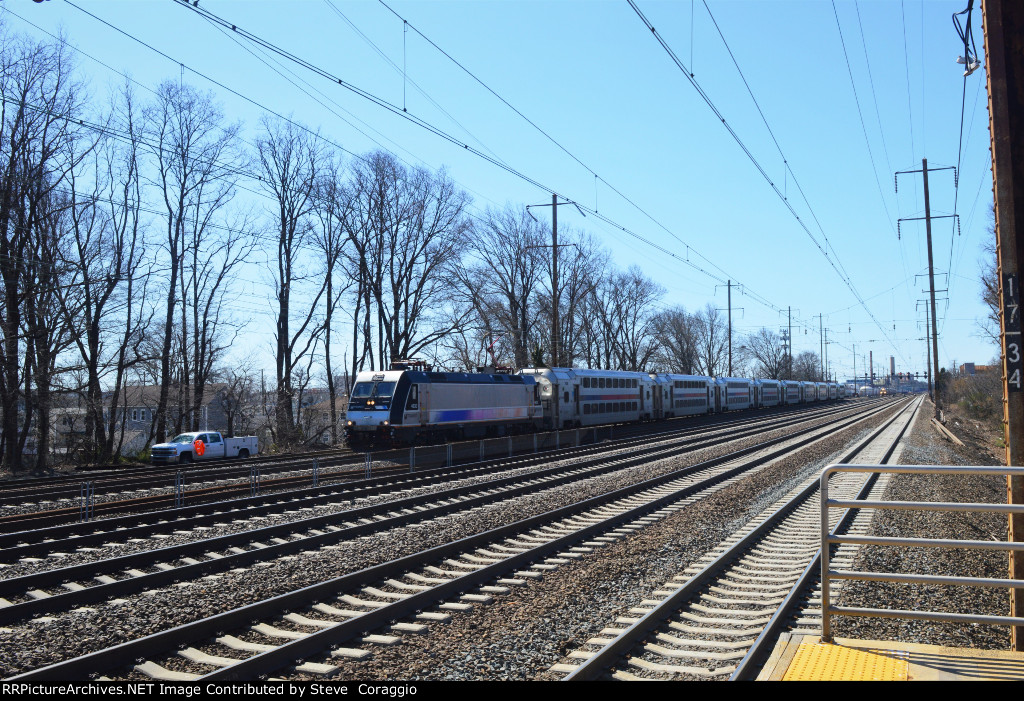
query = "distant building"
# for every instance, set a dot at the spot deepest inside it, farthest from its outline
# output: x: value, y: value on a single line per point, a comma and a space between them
x: 137, y: 404
x: 972, y: 369
x: 316, y: 419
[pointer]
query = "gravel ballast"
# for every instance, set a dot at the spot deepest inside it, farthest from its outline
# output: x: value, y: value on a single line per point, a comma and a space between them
x: 522, y: 633
x: 924, y: 446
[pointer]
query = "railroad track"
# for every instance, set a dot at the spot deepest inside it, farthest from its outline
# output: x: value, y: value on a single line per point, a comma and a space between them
x: 315, y: 620
x: 126, y: 478
x: 35, y: 526
x: 62, y: 589
x: 721, y: 617
x: 60, y: 497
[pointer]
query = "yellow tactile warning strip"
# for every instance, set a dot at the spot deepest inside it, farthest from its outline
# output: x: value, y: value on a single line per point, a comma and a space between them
x: 819, y: 662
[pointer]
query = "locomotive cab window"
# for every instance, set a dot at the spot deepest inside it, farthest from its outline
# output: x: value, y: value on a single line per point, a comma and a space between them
x: 414, y: 398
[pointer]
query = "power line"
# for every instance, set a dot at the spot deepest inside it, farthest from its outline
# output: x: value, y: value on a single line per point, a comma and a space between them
x: 268, y: 47
x: 860, y: 114
x: 700, y: 91
x: 444, y: 135
x: 552, y: 139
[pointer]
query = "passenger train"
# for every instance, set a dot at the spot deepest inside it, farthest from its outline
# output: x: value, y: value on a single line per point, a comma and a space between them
x: 411, y: 404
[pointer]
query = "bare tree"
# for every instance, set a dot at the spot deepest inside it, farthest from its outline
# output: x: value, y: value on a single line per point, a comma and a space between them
x: 39, y: 109
x: 329, y: 241
x: 583, y: 265
x: 712, y: 339
x: 197, y: 164
x: 807, y: 367
x: 421, y: 253
x: 291, y: 160
x: 501, y: 278
x: 107, y: 283
x: 989, y: 275
x: 636, y: 342
x: 239, y: 399
x: 407, y: 228
x: 48, y: 332
x: 677, y: 334
x: 768, y: 352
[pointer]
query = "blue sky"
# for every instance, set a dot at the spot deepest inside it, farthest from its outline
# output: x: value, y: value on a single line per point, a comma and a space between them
x: 592, y: 76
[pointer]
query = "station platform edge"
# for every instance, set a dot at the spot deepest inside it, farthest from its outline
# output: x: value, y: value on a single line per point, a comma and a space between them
x: 806, y: 658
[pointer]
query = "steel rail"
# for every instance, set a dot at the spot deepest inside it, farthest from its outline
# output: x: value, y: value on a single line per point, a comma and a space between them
x: 130, y: 585
x: 67, y: 488
x: 760, y: 650
x: 160, y: 642
x: 263, y: 504
x: 601, y: 659
x: 159, y: 476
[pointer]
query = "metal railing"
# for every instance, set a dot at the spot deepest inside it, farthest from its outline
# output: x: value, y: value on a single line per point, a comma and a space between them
x: 829, y: 539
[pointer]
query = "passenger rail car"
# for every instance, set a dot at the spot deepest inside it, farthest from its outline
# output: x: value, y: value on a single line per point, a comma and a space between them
x: 733, y: 393
x: 571, y: 398
x: 768, y: 392
x: 409, y: 404
x: 689, y: 394
x: 792, y: 392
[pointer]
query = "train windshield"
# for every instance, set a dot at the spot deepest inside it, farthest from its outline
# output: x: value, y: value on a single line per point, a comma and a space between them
x: 384, y: 390
x: 362, y: 390
x: 369, y: 393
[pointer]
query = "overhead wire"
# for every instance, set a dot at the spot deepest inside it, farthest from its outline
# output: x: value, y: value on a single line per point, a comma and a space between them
x: 552, y: 139
x: 444, y: 135
x: 412, y: 82
x: 594, y: 211
x: 824, y: 251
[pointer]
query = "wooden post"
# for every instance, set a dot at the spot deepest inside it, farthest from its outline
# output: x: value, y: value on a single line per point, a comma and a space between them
x: 1004, y: 51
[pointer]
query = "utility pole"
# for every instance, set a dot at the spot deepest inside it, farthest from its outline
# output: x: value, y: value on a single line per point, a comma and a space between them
x: 554, y: 280
x: 728, y: 286
x: 931, y: 270
x: 1004, y: 27
x: 555, y: 293
x: 789, y: 313
x: 928, y: 347
x: 826, y: 355
x: 821, y: 341
x: 931, y: 283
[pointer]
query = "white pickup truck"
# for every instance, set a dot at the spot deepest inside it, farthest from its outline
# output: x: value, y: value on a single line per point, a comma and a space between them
x: 201, y: 446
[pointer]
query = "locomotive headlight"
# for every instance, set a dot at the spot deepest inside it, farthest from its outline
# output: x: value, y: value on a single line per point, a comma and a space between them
x: 385, y: 423
x: 351, y: 423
